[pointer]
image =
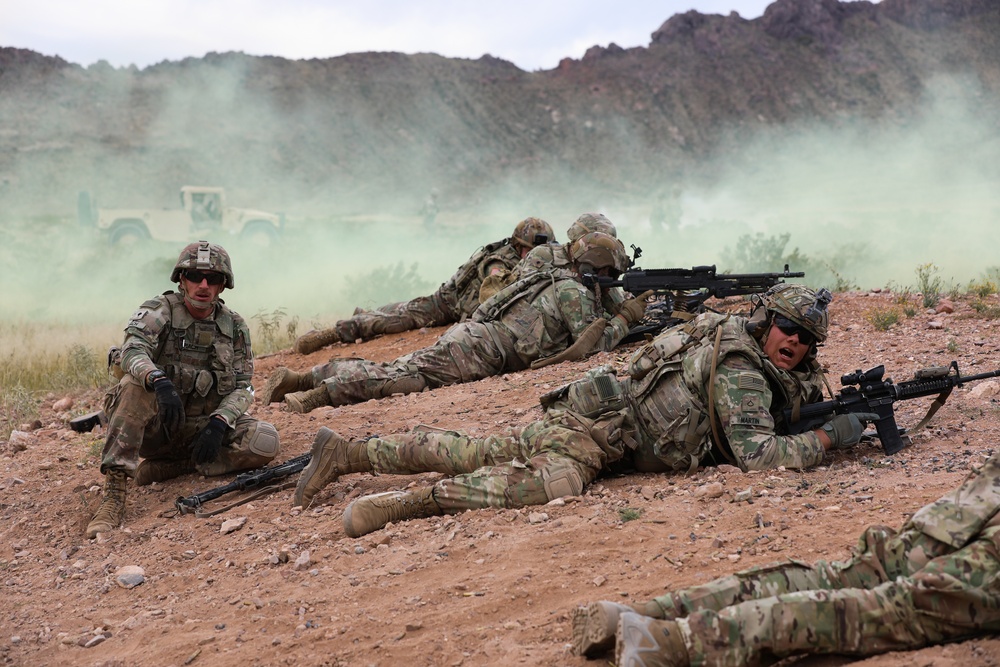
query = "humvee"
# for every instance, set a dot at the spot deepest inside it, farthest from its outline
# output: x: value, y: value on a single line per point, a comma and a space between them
x: 203, y: 211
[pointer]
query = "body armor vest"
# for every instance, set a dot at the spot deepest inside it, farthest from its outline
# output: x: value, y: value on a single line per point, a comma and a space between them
x: 470, y: 276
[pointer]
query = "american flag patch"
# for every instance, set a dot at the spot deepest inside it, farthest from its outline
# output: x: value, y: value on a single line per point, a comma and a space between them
x: 751, y: 381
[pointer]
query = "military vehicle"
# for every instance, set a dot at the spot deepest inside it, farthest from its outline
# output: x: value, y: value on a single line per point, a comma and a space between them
x: 203, y: 214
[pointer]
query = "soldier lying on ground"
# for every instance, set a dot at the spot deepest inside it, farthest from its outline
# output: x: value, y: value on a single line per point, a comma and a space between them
x: 551, y: 257
x: 709, y: 391
x: 185, y: 367
x: 937, y: 580
x: 454, y: 301
x: 535, y: 318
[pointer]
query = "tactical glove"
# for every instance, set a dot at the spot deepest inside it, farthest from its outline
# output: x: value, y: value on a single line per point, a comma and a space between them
x: 208, y: 442
x: 634, y: 309
x: 845, y: 430
x: 170, y: 404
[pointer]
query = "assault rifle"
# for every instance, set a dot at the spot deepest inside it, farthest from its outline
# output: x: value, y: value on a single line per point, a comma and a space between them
x: 684, y: 291
x: 868, y: 391
x: 243, y: 482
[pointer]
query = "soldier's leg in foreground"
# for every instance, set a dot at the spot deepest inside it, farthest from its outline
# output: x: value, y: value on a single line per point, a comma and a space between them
x: 132, y: 417
x: 549, y: 461
x: 355, y: 381
x: 955, y: 595
x: 881, y: 556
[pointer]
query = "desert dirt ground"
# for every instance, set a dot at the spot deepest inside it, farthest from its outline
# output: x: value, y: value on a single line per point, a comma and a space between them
x: 489, y: 587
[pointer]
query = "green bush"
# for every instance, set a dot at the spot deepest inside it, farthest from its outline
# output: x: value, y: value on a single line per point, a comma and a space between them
x: 929, y: 284
x: 267, y: 334
x: 882, y: 318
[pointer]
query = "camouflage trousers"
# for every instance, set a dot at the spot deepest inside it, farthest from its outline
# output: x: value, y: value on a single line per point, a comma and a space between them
x: 548, y: 459
x: 466, y: 352
x: 135, y: 430
x: 424, y: 311
x: 900, y: 591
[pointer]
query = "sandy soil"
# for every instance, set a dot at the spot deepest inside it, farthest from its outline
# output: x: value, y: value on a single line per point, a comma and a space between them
x: 488, y: 587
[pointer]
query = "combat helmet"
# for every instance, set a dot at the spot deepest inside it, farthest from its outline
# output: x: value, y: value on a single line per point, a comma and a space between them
x: 591, y: 222
x: 532, y: 232
x: 204, y: 256
x: 598, y: 250
x: 798, y: 303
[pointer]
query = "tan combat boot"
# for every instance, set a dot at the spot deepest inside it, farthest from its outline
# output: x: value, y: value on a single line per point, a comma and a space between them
x: 283, y: 381
x: 307, y: 401
x: 159, y: 471
x: 316, y: 339
x: 112, y: 510
x: 332, y: 456
x: 642, y: 641
x: 594, y: 627
x: 370, y: 513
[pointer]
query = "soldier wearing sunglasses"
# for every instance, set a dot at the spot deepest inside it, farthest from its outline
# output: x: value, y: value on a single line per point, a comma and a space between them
x: 706, y: 392
x: 184, y: 371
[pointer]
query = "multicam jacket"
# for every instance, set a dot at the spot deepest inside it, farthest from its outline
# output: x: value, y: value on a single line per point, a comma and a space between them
x: 209, y: 361
x: 460, y: 293
x: 669, y: 386
x: 543, y: 314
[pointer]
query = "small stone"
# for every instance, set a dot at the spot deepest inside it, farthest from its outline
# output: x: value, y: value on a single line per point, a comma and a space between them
x: 95, y: 641
x: 130, y: 576
x: 63, y: 404
x: 935, y: 324
x: 712, y: 490
x: 232, y: 525
x: 303, y: 561
x: 599, y: 580
x: 538, y: 517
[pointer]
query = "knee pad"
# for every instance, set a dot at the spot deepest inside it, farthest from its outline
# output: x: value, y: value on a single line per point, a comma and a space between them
x: 262, y: 439
x: 561, y: 482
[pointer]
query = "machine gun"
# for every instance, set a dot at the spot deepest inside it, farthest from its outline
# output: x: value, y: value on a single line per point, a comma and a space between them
x: 254, y: 479
x: 683, y: 292
x: 869, y: 391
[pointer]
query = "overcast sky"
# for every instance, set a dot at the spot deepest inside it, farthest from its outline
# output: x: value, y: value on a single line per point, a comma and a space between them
x: 533, y: 34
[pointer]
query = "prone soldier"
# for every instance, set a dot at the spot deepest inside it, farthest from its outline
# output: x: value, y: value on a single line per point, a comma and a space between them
x: 454, y: 301
x: 712, y: 390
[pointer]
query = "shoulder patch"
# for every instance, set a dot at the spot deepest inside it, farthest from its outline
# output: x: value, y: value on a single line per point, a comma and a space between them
x: 751, y: 382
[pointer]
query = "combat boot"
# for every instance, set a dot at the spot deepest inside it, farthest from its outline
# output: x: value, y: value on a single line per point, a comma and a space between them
x: 348, y: 330
x: 594, y: 627
x: 316, y: 339
x: 112, y: 510
x: 159, y: 471
x: 371, y: 513
x: 284, y: 381
x: 332, y: 456
x: 642, y: 641
x: 307, y: 401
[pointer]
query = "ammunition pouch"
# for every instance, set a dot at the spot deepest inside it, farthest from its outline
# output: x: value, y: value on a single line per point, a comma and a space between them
x: 597, y: 393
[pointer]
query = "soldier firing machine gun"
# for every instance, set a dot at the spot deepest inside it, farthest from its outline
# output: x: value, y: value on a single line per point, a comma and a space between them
x: 683, y: 292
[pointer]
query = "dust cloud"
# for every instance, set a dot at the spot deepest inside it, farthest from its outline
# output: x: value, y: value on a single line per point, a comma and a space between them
x: 865, y: 201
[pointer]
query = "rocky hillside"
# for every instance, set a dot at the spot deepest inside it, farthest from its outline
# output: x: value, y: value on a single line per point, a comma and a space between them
x: 378, y: 130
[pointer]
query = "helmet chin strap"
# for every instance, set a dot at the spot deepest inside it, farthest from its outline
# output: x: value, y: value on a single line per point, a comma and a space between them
x: 195, y: 304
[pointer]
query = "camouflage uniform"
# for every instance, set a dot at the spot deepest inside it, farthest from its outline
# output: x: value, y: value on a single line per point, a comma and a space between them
x: 532, y: 319
x: 936, y: 580
x: 457, y: 298
x: 454, y: 301
x: 658, y: 418
x: 210, y: 363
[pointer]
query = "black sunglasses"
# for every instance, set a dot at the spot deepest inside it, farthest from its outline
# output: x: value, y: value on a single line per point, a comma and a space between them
x: 790, y: 328
x: 211, y: 277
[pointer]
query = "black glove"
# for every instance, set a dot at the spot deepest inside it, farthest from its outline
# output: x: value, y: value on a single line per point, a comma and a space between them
x: 171, y: 406
x: 845, y: 430
x: 208, y: 441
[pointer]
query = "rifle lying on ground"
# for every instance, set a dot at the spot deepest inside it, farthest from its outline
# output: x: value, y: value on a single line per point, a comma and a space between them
x: 684, y: 292
x: 868, y: 392
x: 244, y: 482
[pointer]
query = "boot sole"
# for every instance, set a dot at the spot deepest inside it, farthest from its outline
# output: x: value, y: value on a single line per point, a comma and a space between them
x: 323, y: 436
x: 594, y: 628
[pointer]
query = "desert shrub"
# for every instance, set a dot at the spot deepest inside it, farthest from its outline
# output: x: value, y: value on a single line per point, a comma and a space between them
x: 627, y: 514
x: 882, y: 318
x: 17, y: 405
x: 929, y: 284
x: 267, y: 332
x: 982, y: 288
x: 952, y: 346
x: 387, y: 285
x: 988, y: 311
